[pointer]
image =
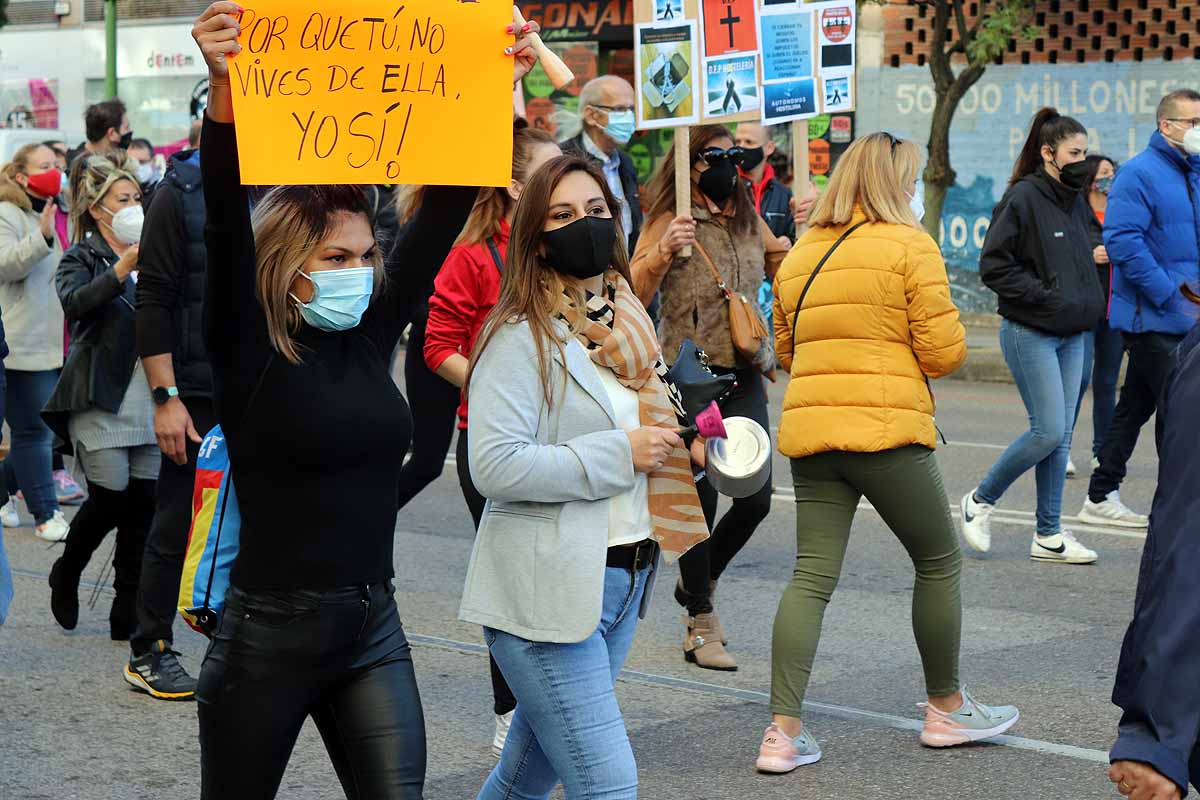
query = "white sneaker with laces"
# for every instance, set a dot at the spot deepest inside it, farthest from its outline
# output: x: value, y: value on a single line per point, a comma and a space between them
x: 503, y: 723
x: 1112, y: 512
x: 1061, y: 548
x: 976, y: 522
x: 1071, y: 471
x: 9, y: 517
x: 54, y: 529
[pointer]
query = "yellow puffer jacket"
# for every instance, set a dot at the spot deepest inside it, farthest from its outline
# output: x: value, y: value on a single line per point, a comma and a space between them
x: 876, y: 324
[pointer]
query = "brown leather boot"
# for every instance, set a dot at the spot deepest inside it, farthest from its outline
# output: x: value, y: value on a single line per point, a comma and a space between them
x: 702, y: 645
x: 683, y: 598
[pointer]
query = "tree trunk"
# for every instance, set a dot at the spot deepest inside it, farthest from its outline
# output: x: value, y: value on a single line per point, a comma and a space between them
x: 939, y: 175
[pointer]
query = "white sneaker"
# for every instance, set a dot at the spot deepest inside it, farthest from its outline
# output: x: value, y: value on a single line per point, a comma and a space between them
x: 54, y: 529
x: 9, y: 516
x: 503, y: 723
x: 1112, y: 512
x: 976, y: 522
x: 1071, y: 471
x: 1062, y: 548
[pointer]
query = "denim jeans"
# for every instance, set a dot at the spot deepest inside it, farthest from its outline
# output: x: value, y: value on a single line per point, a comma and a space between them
x: 1047, y: 372
x: 6, y: 581
x: 28, y: 466
x: 567, y: 726
x: 1106, y: 371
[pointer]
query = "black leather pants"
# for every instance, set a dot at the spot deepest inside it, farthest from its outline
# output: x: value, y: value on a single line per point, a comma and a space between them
x: 339, y: 656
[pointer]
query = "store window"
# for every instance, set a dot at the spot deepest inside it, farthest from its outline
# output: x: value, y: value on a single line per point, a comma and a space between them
x: 160, y: 108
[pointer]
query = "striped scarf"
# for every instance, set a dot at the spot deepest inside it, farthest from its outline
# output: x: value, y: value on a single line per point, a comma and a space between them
x: 619, y: 335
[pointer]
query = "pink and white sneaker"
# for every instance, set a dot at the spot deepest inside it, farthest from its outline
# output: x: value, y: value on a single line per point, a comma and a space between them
x: 971, y: 723
x: 66, y: 489
x: 780, y: 753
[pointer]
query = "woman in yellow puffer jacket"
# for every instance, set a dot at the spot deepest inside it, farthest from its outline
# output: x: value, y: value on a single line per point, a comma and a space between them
x: 876, y: 322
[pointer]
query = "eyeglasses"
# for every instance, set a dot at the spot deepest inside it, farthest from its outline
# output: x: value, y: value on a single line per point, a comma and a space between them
x: 618, y: 109
x: 712, y: 155
x: 1193, y: 122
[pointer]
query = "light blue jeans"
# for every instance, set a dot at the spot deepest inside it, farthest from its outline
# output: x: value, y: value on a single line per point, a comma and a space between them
x: 567, y: 726
x: 1048, y: 370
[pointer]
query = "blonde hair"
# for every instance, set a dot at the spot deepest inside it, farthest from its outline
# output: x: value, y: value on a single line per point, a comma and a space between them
x: 92, y: 176
x: 872, y: 175
x: 289, y: 224
x: 10, y: 190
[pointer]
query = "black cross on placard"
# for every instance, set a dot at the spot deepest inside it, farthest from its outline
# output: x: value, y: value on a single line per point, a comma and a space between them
x: 729, y: 20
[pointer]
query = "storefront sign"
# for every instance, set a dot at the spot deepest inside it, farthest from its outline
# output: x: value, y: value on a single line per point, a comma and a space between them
x: 604, y: 21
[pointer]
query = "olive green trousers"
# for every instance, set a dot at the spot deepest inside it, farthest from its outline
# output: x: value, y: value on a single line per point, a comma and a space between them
x: 905, y: 487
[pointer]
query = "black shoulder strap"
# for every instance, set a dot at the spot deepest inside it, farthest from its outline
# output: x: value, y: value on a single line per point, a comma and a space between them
x: 813, y: 275
x: 491, y: 243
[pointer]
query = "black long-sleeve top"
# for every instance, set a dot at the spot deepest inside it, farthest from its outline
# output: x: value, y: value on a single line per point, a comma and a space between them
x: 316, y: 457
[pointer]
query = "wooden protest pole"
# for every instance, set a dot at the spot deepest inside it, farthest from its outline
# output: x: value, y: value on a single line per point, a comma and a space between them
x: 800, y: 160
x: 559, y: 73
x: 683, y: 178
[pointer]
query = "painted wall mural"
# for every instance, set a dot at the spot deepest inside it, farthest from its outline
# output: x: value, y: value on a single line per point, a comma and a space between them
x: 1115, y: 101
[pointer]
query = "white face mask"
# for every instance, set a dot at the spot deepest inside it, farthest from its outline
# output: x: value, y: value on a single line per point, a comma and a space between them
x: 127, y: 224
x: 147, y: 173
x: 916, y: 201
x: 1191, y: 141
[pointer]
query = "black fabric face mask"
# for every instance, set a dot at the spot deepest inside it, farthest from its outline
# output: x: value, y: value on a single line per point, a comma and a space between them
x: 718, y: 181
x: 583, y: 249
x: 1074, y: 176
x: 126, y: 140
x: 752, y: 157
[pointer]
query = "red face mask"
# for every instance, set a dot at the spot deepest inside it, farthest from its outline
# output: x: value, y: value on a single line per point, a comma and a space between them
x: 46, y: 184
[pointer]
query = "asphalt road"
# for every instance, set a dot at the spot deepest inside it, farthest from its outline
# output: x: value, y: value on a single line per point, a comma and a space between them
x: 1045, y: 637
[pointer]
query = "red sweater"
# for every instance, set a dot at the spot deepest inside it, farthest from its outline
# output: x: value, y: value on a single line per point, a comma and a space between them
x: 464, y: 292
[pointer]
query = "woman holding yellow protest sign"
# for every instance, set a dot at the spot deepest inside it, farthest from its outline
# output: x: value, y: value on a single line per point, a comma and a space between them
x: 301, y: 314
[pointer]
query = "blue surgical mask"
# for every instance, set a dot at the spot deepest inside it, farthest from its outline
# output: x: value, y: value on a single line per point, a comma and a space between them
x: 620, y: 126
x: 916, y: 201
x: 340, y: 296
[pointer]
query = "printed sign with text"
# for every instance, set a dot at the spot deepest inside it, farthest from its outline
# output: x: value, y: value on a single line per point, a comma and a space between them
x: 365, y: 93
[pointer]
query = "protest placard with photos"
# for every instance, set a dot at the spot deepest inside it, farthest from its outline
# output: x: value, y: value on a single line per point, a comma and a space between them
x: 366, y: 91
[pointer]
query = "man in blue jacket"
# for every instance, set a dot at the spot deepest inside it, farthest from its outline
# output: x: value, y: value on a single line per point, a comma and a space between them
x: 1152, y: 234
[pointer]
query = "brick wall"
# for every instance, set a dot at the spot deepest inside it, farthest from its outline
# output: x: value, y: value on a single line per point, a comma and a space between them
x: 1072, y: 32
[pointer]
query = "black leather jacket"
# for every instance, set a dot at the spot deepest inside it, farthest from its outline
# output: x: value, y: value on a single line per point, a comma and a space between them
x: 100, y: 312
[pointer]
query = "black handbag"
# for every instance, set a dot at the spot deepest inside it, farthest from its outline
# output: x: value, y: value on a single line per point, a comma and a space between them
x: 697, y: 385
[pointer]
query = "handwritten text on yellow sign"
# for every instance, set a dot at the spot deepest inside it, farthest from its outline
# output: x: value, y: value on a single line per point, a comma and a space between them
x: 408, y: 91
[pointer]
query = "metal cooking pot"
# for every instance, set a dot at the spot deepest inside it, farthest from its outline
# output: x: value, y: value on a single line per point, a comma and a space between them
x: 740, y: 465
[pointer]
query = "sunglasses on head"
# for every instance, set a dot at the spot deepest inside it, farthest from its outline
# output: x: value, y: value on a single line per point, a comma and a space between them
x: 712, y: 155
x: 891, y: 139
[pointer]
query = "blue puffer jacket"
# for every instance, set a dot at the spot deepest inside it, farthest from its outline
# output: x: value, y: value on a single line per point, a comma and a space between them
x: 1152, y: 234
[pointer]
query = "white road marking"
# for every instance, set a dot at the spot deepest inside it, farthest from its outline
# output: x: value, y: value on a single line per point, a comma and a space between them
x: 762, y: 698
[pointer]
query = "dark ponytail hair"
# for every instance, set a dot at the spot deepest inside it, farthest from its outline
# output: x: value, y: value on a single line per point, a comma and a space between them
x: 1049, y: 128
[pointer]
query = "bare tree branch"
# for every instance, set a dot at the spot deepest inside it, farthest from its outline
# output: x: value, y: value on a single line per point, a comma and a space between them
x: 960, y: 21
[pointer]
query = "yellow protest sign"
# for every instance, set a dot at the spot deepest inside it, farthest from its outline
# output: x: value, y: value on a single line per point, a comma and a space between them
x: 364, y: 91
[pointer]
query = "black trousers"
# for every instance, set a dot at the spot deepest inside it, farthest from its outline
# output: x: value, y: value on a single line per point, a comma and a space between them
x: 503, y: 700
x: 1151, y: 359
x: 707, y: 561
x: 341, y: 657
x: 166, y: 543
x: 434, y: 403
